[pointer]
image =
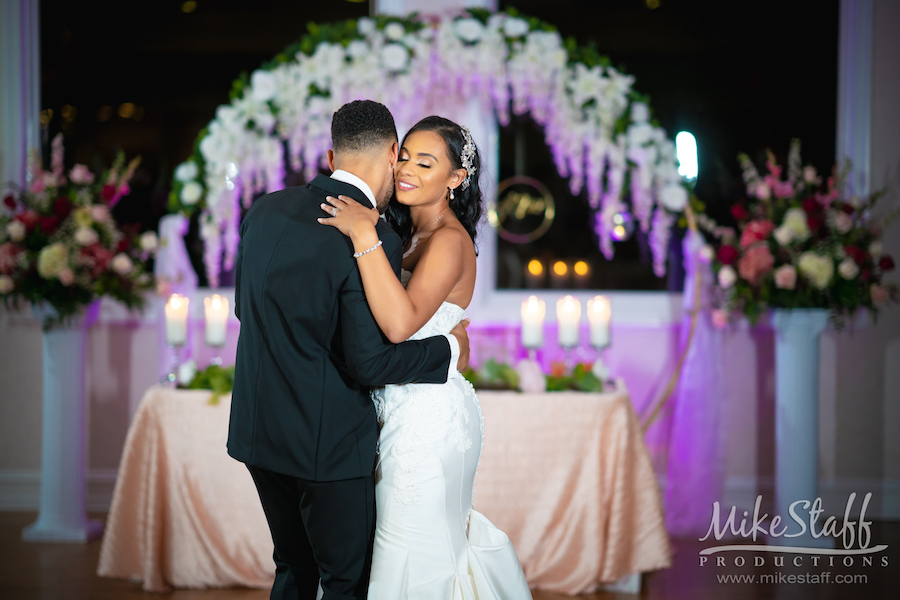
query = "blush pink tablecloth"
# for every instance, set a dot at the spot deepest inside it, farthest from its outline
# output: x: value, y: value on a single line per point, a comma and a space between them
x: 566, y: 475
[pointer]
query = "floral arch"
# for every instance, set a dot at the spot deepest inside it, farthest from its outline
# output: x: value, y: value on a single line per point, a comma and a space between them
x: 598, y: 127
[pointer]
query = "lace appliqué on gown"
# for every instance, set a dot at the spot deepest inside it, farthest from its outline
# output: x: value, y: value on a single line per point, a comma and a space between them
x: 423, y: 413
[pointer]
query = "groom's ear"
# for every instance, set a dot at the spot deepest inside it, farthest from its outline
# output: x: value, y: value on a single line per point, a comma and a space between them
x: 395, y: 152
x: 331, y: 160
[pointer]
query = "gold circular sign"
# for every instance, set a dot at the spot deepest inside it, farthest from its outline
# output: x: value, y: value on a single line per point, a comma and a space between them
x: 524, y: 210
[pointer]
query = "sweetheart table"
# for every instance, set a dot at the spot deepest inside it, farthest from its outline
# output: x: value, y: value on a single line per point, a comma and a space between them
x: 565, y: 474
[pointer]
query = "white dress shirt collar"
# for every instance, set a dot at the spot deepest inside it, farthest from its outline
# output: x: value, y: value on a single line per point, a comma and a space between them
x: 348, y: 177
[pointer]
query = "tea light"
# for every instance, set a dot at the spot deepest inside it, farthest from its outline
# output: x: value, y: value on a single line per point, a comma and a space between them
x: 533, y: 311
x: 568, y: 315
x: 598, y: 309
x: 216, y: 308
x: 176, y: 319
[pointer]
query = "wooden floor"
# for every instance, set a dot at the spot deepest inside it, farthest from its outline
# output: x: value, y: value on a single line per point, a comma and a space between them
x: 30, y: 571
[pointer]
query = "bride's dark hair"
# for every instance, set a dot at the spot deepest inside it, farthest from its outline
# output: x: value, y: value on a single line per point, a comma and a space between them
x: 466, y: 203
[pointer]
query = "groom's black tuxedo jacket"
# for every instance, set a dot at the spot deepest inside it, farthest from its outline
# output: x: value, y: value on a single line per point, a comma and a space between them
x: 309, y: 346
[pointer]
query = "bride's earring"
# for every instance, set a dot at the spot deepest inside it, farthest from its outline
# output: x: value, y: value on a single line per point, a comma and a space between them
x: 451, y: 193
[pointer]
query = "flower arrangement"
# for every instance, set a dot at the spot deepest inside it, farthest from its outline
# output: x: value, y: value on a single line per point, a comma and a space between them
x: 59, y: 243
x: 597, y: 125
x: 799, y: 244
x: 501, y: 376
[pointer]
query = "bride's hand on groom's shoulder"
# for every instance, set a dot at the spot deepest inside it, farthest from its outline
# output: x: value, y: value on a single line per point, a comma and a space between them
x: 459, y: 332
x: 349, y: 216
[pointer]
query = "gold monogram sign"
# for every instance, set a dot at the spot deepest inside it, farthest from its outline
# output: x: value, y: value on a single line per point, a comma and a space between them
x: 524, y: 210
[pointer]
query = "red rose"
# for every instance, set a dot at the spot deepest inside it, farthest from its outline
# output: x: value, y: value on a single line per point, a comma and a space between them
x: 49, y: 225
x: 727, y: 255
x: 9, y: 257
x: 62, y: 208
x: 847, y: 209
x: 97, y: 257
x: 10, y: 202
x: 810, y: 205
x: 886, y: 263
x: 739, y: 212
x: 108, y: 192
x: 122, y: 246
x: 814, y: 223
x: 865, y: 274
x: 858, y: 255
x: 30, y: 218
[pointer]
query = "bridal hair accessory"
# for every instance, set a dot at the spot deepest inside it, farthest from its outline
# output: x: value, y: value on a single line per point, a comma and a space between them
x: 467, y: 158
x: 364, y: 252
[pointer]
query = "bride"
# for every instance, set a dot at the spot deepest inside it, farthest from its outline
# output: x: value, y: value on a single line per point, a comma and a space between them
x: 429, y: 543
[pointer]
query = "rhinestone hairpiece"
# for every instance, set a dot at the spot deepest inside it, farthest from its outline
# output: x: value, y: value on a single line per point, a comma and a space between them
x: 467, y: 158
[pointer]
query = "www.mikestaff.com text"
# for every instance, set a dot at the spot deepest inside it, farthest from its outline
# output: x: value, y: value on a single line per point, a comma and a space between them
x: 804, y: 578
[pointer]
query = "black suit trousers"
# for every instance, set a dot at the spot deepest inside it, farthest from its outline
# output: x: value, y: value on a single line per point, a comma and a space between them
x: 321, y: 530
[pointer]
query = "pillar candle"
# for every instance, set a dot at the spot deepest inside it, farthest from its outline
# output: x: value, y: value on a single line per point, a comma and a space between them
x: 599, y: 312
x: 176, y: 319
x: 533, y: 310
x: 568, y: 315
x: 216, y: 308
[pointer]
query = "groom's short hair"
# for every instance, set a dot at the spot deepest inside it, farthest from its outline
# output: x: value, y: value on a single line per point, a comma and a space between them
x: 361, y: 126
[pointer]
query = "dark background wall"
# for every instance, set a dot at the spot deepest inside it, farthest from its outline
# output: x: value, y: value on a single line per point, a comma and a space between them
x: 146, y: 76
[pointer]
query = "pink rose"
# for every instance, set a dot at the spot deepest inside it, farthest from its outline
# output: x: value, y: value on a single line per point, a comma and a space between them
x: 66, y: 276
x: 756, y: 231
x: 81, y: 175
x: 786, y: 277
x: 755, y: 263
x: 719, y: 318
x: 880, y: 294
x: 100, y: 213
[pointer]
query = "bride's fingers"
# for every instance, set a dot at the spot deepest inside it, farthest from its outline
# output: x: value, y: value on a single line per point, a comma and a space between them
x: 329, y: 209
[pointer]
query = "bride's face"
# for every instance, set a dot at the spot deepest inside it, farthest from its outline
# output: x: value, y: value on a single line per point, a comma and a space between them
x: 424, y: 171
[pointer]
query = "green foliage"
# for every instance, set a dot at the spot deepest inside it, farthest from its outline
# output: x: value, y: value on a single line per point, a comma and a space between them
x: 494, y: 376
x: 216, y: 378
x: 581, y: 379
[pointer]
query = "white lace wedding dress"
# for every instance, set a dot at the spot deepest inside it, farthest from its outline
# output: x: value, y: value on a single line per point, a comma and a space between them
x: 429, y: 543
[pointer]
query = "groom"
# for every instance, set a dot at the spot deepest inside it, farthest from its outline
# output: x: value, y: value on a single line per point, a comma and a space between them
x: 301, y: 417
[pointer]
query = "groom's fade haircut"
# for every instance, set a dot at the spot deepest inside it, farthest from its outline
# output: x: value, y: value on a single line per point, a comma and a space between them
x: 362, y: 126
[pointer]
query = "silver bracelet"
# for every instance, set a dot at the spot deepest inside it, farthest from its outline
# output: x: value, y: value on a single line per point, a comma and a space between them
x: 375, y: 247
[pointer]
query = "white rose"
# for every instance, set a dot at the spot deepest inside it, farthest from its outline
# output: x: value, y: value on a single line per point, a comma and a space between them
x: 762, y: 191
x: 727, y: 277
x: 186, y: 171
x: 148, y: 242
x: 848, y: 268
x: 600, y: 370
x: 810, y: 176
x: 842, y: 221
x: 365, y: 26
x: 640, y: 113
x: 357, y: 48
x: 16, y: 231
x: 795, y: 220
x: 191, y: 193
x: 468, y: 29
x: 531, y: 378
x: 186, y: 372
x: 81, y: 175
x: 876, y: 249
x: 706, y: 253
x: 394, y: 57
x: 6, y: 284
x: 515, y: 27
x: 783, y: 235
x: 394, y: 31
x: 86, y: 236
x: 674, y: 197
x: 66, y: 277
x: 263, y: 86
x: 121, y: 264
x: 816, y: 268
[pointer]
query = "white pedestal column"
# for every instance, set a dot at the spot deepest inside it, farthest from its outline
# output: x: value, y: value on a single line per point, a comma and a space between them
x: 797, y: 418
x: 62, y: 516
